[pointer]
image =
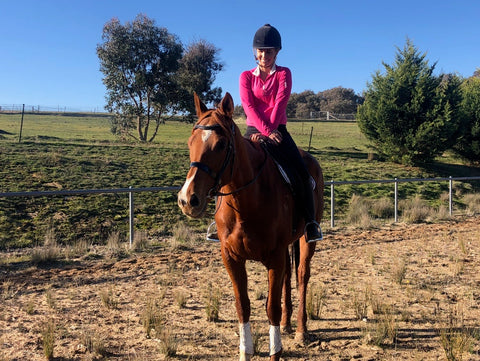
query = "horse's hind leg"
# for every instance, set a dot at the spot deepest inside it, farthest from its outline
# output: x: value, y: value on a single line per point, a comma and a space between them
x: 238, y: 276
x: 287, y: 308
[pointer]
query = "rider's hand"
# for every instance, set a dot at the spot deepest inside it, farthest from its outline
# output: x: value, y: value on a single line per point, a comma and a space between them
x: 257, y: 137
x: 276, y: 136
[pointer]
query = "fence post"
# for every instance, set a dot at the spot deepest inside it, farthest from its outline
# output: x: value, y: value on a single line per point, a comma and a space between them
x: 450, y: 196
x: 332, y: 204
x: 310, y: 141
x: 396, y: 200
x: 21, y: 124
x: 131, y: 208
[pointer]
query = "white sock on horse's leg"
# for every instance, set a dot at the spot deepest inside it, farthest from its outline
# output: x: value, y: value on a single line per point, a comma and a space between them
x: 275, y: 340
x: 246, y: 342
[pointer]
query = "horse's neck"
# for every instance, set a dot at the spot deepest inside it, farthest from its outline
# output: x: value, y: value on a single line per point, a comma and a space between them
x: 248, y: 163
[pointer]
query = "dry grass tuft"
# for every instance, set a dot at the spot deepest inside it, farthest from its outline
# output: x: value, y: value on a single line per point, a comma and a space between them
x: 315, y: 301
x: 116, y: 246
x: 455, y: 338
x: 360, y: 302
x: 472, y: 202
x: 384, y: 331
x: 93, y: 342
x: 183, y: 236
x: 152, y: 318
x: 140, y: 241
x: 50, y: 252
x: 109, y: 299
x: 48, y: 339
x: 358, y: 212
x: 399, y: 271
x: 181, y: 298
x: 168, y: 343
x: 383, y: 208
x: 212, y: 297
x: 415, y: 210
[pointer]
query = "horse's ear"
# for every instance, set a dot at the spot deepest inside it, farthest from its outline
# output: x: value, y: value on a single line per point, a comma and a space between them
x: 226, y: 105
x: 199, y: 106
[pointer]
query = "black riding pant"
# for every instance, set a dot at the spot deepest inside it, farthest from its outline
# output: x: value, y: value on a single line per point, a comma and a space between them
x: 287, y: 154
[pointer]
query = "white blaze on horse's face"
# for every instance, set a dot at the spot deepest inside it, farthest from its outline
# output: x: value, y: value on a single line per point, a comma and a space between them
x: 182, y: 195
x: 206, y: 134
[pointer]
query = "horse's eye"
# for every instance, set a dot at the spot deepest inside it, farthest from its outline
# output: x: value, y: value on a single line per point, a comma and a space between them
x: 220, y: 146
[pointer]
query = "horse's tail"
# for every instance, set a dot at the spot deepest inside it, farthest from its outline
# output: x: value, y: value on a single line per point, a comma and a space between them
x: 296, y: 258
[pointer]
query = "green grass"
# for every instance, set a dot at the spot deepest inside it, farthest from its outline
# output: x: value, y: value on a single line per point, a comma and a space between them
x: 79, y: 152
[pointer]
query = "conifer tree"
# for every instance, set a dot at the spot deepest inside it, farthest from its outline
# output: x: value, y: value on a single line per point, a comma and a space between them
x: 410, y: 115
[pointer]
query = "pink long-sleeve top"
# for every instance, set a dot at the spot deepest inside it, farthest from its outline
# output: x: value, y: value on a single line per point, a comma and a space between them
x: 265, y: 102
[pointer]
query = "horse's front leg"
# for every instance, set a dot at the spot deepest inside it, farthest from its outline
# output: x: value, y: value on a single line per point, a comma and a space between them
x: 276, y: 275
x: 307, y: 251
x: 238, y: 276
x: 287, y: 307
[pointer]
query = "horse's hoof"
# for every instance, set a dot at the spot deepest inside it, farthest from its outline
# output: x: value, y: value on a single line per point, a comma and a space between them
x: 245, y: 357
x: 286, y: 329
x: 276, y: 357
x: 301, y: 337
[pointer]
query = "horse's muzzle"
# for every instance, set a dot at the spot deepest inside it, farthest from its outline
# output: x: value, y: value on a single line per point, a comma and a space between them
x: 190, y: 203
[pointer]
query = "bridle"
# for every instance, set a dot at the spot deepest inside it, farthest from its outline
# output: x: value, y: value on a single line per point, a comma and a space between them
x: 229, y: 158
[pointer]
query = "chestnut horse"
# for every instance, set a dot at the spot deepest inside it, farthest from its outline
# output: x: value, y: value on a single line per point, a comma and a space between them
x: 255, y: 217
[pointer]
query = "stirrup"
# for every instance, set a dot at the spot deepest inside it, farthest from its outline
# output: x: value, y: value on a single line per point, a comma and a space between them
x: 212, y: 234
x: 315, y: 237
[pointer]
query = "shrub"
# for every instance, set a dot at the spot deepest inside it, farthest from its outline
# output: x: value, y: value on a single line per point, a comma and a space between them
x: 409, y: 115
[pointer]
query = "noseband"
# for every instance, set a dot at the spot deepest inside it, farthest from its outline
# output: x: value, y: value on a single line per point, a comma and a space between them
x: 229, y: 157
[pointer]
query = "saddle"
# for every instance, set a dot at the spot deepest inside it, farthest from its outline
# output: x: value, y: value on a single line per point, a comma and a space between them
x: 288, y: 173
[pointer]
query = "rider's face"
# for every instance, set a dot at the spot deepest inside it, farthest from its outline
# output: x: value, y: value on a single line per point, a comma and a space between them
x: 266, y: 57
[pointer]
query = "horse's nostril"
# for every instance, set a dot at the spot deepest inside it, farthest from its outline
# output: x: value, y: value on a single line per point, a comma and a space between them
x: 194, y: 201
x: 182, y: 202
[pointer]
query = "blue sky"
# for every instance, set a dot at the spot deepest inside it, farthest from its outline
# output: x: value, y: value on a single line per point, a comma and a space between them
x: 48, y: 48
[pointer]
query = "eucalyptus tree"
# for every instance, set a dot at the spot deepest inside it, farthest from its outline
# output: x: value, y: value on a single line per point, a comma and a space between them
x: 139, y: 61
x: 149, y: 75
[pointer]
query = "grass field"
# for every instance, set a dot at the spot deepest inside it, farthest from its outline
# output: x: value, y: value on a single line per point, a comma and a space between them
x: 71, y: 152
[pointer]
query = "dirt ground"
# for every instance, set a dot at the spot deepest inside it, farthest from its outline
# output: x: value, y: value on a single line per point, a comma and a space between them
x: 391, y: 293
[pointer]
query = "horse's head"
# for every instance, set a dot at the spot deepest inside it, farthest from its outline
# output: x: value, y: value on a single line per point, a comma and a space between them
x: 212, y: 152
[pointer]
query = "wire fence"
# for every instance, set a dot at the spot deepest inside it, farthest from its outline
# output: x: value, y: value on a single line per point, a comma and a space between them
x: 28, y: 108
x: 331, y: 184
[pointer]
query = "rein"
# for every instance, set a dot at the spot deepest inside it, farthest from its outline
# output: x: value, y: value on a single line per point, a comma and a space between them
x: 229, y: 158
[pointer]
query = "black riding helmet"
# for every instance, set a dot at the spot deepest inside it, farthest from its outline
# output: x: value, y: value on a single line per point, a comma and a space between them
x: 267, y: 37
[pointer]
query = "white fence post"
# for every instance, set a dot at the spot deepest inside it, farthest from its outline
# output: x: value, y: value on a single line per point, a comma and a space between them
x: 450, y: 196
x: 396, y: 200
x: 131, y: 207
x: 332, y: 204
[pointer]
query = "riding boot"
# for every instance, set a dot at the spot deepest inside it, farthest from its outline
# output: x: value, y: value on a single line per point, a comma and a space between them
x: 313, y: 231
